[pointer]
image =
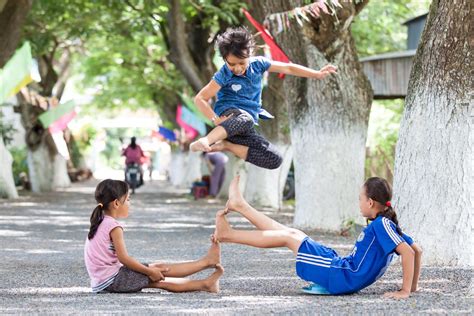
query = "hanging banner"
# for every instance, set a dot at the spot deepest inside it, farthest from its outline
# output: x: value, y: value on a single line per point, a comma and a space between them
x: 190, y: 104
x: 16, y: 73
x: 167, y: 133
x: 49, y: 117
x: 191, y: 133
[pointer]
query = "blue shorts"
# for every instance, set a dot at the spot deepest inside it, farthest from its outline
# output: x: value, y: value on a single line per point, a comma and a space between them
x: 313, y: 262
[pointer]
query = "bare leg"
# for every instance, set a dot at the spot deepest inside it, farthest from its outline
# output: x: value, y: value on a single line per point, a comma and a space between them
x: 236, y: 202
x: 211, y: 260
x: 258, y: 238
x: 240, y: 151
x: 210, y: 284
x: 203, y: 143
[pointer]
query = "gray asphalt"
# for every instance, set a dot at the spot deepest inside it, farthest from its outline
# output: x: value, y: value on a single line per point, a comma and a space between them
x: 42, y: 269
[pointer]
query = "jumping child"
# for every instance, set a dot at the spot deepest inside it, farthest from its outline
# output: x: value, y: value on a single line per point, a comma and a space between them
x: 368, y: 261
x: 110, y: 267
x: 238, y: 86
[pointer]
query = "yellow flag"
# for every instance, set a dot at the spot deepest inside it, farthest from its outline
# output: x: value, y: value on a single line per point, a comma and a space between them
x: 17, y: 72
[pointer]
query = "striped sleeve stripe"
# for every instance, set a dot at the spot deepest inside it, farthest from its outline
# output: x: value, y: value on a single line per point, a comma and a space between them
x: 314, y: 263
x: 395, y: 238
x: 314, y: 256
x: 104, y: 284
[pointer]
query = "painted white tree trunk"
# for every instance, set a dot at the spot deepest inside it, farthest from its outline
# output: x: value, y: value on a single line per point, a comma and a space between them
x: 185, y: 168
x: 40, y: 169
x: 265, y: 187
x: 328, y: 118
x: 433, y: 181
x: 61, y: 178
x: 7, y: 184
x: 235, y: 166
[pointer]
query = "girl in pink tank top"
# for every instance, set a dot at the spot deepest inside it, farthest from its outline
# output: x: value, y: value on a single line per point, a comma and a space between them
x: 111, y: 269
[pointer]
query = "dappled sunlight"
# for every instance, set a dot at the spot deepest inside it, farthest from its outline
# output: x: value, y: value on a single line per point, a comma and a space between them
x: 43, y: 251
x: 13, y: 233
x: 47, y: 290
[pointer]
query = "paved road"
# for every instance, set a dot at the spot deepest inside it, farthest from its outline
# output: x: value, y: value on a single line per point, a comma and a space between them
x: 42, y: 269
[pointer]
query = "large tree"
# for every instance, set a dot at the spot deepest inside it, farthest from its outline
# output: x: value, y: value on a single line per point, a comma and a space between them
x: 433, y: 166
x: 12, y: 16
x: 328, y: 118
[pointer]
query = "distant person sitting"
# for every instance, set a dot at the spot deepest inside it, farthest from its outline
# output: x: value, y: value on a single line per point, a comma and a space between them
x: 133, y: 155
x: 216, y: 164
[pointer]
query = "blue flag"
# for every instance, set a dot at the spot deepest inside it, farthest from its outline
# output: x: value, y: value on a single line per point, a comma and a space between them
x: 167, y: 133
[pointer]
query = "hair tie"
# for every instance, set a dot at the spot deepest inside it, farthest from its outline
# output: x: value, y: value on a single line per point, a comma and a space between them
x: 388, y: 204
x: 100, y: 204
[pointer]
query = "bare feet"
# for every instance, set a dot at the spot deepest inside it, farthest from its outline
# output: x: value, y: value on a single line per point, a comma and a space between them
x: 236, y: 201
x: 211, y: 284
x: 223, y: 228
x: 213, y: 257
x: 202, y: 144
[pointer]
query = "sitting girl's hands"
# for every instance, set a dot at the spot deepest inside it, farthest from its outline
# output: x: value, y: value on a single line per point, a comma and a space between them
x: 401, y: 294
x: 156, y: 274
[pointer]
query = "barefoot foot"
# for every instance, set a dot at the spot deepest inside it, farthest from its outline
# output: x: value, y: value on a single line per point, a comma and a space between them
x: 213, y: 257
x: 202, y: 144
x: 236, y: 201
x: 223, y: 228
x: 211, y: 284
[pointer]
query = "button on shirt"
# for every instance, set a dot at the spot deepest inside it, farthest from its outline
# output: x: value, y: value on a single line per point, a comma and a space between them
x: 242, y: 92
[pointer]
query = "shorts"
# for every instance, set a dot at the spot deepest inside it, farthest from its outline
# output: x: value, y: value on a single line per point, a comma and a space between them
x: 128, y: 281
x: 313, y: 262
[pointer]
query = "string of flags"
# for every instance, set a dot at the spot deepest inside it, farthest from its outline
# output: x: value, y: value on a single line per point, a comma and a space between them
x: 283, y: 20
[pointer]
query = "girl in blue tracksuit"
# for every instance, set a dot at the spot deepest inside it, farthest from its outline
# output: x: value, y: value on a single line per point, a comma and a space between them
x: 368, y: 261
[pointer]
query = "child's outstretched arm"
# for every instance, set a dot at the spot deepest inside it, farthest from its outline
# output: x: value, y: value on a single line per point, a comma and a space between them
x: 416, y: 275
x: 408, y: 264
x: 202, y: 102
x: 302, y: 71
x: 154, y: 273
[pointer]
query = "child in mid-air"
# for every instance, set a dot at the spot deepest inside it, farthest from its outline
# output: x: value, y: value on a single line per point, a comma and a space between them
x: 110, y: 267
x: 368, y: 261
x: 238, y: 86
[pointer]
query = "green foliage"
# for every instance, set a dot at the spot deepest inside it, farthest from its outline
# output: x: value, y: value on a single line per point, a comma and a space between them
x: 19, y: 165
x: 384, y: 124
x: 378, y: 27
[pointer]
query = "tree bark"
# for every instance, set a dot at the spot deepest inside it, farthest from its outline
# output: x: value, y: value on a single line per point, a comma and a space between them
x: 433, y: 182
x: 12, y: 17
x: 328, y: 118
x: 7, y: 184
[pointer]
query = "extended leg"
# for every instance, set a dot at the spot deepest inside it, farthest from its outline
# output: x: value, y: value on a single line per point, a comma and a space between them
x: 210, y: 260
x: 237, y: 203
x: 210, y: 284
x: 258, y: 238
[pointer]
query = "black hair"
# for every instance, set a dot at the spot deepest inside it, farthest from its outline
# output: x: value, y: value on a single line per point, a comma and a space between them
x: 236, y: 41
x: 106, y: 192
x: 133, y: 142
x: 379, y: 190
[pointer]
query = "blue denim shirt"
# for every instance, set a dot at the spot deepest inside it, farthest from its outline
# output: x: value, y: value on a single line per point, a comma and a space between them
x: 242, y: 92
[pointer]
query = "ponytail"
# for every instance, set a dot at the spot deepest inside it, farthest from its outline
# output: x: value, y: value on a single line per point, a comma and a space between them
x: 389, y: 213
x: 96, y: 219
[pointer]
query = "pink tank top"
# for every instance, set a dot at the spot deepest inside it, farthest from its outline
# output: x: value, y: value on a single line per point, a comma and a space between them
x: 99, y: 255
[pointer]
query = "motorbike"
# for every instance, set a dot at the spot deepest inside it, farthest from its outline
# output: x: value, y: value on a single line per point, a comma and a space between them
x: 132, y: 176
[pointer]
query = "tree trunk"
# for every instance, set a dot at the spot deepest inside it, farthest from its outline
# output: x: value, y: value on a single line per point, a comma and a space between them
x: 40, y: 166
x: 7, y: 185
x: 434, y: 160
x: 328, y: 118
x: 12, y: 17
x: 265, y: 187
